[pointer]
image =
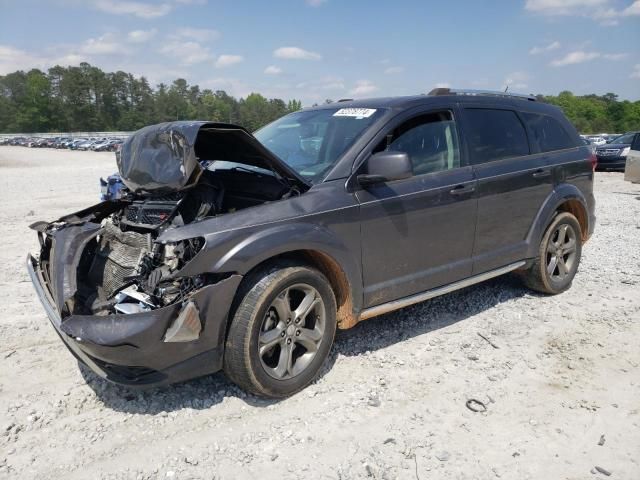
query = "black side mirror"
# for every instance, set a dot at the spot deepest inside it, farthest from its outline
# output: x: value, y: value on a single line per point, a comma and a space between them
x: 635, y: 145
x: 386, y: 167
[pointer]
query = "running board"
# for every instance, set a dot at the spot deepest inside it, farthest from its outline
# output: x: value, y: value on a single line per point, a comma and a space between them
x: 436, y: 292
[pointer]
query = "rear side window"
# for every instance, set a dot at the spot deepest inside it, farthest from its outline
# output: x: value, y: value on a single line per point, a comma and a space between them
x: 548, y: 133
x: 495, y: 134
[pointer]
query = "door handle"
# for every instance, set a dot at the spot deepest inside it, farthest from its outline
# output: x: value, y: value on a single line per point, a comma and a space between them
x: 462, y: 189
x: 541, y: 173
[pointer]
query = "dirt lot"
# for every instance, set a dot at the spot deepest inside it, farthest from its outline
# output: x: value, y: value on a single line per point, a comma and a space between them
x: 564, y: 378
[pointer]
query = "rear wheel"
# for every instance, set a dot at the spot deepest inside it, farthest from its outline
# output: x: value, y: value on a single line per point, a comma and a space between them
x: 281, y: 332
x: 558, y: 256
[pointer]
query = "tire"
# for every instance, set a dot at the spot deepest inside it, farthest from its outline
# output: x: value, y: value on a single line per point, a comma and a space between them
x: 273, y: 348
x: 559, y: 254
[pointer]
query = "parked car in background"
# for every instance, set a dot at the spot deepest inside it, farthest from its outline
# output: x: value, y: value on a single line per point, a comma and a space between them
x: 613, y: 155
x: 597, y: 139
x: 98, y: 144
x: 84, y: 145
x: 632, y: 170
x: 73, y: 144
x: 64, y: 142
x: 108, y: 146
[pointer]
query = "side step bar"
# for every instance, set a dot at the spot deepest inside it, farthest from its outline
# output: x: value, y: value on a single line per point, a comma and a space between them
x: 436, y: 292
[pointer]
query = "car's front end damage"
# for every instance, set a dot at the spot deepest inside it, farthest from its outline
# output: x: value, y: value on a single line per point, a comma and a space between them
x: 115, y: 290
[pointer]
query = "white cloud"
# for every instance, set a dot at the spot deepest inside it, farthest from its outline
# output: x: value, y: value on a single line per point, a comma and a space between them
x: 138, y: 9
x: 573, y: 58
x: 331, y: 82
x: 224, y: 61
x: 315, y: 3
x: 104, y: 45
x: 141, y: 36
x: 188, y: 53
x: 633, y: 9
x: 636, y: 72
x: 12, y: 59
x: 600, y: 10
x: 615, y: 56
x: 363, y: 87
x: 273, y: 70
x: 295, y: 53
x: 198, y: 34
x: 562, y: 7
x: 581, y: 56
x: 546, y: 48
x: 393, y: 70
x: 442, y: 85
x: 516, y: 81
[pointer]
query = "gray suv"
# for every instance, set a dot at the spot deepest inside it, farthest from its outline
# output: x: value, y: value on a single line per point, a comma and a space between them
x: 245, y: 252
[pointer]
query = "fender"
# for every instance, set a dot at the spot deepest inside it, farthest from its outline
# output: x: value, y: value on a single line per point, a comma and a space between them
x: 560, y: 194
x: 238, y: 251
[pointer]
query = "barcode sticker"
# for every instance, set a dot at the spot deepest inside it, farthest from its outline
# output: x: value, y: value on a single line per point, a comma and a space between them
x: 355, y: 112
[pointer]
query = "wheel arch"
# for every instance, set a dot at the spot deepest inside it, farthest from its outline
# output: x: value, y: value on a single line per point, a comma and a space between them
x: 307, y: 244
x: 564, y: 198
x: 331, y: 269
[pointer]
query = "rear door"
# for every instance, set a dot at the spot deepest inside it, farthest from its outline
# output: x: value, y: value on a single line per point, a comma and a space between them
x: 513, y: 181
x: 417, y: 233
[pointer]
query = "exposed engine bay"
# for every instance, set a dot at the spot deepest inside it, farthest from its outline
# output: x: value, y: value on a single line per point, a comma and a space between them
x: 121, y: 269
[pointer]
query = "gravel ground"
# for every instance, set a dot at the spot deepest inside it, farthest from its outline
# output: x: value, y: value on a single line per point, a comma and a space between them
x: 561, y: 385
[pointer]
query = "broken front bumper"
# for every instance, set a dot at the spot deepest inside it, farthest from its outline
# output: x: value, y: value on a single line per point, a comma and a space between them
x: 129, y: 348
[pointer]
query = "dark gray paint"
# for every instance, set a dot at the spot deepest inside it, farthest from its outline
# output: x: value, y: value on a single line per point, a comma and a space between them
x: 394, y: 239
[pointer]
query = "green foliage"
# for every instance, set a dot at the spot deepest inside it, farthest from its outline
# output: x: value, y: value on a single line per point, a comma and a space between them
x: 85, y: 98
x: 598, y: 113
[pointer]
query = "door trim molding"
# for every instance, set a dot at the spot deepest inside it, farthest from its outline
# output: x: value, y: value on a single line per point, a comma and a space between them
x: 421, y: 297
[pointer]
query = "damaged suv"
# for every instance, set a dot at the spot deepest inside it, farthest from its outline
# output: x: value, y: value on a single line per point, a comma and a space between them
x: 245, y: 253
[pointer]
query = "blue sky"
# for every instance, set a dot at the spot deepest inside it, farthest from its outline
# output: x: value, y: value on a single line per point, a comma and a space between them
x: 318, y: 49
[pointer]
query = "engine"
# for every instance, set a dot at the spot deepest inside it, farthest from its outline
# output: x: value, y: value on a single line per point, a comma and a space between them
x: 123, y: 270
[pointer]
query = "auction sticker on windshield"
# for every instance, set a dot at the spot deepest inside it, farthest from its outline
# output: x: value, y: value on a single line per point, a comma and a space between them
x: 355, y: 112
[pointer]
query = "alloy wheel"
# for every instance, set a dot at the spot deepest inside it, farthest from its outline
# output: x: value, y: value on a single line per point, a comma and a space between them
x: 561, y: 252
x: 292, y: 331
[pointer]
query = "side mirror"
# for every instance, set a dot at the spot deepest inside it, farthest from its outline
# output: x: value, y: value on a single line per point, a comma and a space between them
x: 635, y: 145
x: 386, y: 167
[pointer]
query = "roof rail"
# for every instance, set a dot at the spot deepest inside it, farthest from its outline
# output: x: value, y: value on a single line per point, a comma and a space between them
x: 453, y: 91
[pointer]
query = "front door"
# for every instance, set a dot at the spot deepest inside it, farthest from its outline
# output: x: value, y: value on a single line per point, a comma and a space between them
x: 417, y: 233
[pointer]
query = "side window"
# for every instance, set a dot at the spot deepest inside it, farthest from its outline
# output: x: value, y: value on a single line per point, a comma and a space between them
x: 495, y: 134
x: 636, y: 142
x: 431, y: 141
x: 548, y: 133
x: 627, y: 138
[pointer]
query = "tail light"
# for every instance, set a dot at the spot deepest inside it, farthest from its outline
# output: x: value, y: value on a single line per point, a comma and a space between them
x: 594, y: 161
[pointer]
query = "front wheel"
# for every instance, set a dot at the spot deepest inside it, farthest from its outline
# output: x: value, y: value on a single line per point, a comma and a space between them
x: 281, y: 332
x: 558, y: 256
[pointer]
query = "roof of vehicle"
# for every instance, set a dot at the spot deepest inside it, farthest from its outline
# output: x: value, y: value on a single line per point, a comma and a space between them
x: 462, y: 96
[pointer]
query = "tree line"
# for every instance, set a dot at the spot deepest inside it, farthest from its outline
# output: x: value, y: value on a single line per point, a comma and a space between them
x: 85, y: 98
x: 597, y: 113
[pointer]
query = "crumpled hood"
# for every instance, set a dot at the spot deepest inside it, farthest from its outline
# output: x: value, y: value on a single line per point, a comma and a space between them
x: 166, y: 157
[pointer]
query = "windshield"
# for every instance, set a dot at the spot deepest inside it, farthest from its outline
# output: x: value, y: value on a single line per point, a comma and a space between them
x: 626, y: 138
x: 311, y: 142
